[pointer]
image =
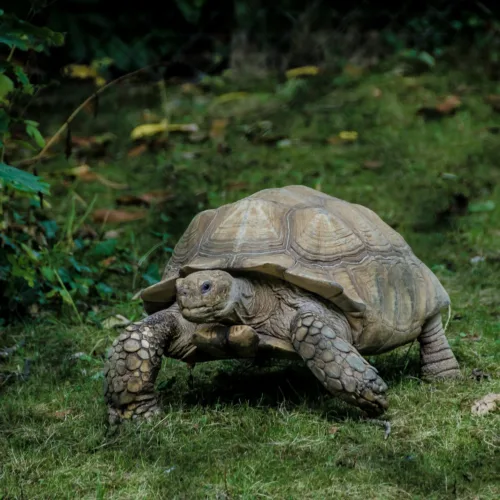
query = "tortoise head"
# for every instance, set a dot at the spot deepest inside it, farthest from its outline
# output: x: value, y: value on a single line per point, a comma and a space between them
x: 206, y: 296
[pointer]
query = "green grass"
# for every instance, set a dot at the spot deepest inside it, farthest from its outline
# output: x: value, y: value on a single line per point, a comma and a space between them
x: 244, y: 431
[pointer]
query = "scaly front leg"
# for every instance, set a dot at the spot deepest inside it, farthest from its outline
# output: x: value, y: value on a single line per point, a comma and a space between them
x: 135, y: 359
x: 337, y: 363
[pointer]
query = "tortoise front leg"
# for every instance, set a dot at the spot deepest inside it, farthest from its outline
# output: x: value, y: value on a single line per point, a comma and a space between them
x: 135, y: 358
x: 336, y: 363
x: 237, y: 341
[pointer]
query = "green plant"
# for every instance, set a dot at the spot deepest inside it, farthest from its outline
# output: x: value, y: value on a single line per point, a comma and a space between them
x: 41, y: 263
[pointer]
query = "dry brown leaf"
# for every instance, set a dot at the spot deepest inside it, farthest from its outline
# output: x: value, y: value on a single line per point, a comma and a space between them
x: 128, y: 200
x: 62, y: 414
x: 86, y: 174
x: 236, y: 186
x: 372, y: 164
x: 107, y: 262
x: 334, y: 140
x: 147, y: 199
x: 353, y: 71
x: 445, y: 108
x: 218, y: 128
x: 157, y: 196
x: 95, y: 145
x: 137, y: 150
x: 111, y: 184
x: 106, y: 215
x: 485, y: 405
x: 450, y: 104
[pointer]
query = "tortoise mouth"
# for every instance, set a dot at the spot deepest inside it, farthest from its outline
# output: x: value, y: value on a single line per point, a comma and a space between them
x: 197, y: 314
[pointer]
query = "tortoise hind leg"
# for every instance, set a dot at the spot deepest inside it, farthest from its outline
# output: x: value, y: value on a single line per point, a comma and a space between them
x: 336, y: 363
x: 436, y: 357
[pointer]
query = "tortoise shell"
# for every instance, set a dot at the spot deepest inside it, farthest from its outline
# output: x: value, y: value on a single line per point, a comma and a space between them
x: 338, y: 250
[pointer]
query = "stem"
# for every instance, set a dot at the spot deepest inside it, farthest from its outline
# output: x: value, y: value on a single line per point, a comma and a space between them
x: 2, y: 153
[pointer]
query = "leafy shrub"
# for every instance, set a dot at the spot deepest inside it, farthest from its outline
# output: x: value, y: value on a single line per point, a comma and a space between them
x: 42, y: 265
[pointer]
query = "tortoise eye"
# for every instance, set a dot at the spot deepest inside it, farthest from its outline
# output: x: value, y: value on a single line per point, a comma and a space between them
x: 206, y: 287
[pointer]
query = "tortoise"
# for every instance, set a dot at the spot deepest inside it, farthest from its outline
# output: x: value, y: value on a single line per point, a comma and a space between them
x: 289, y: 273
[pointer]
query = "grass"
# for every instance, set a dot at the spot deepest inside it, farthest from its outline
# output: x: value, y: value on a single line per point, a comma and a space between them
x: 237, y: 430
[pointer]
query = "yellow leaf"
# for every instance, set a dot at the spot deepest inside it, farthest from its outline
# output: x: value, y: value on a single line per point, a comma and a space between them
x: 302, y: 71
x: 348, y: 135
x: 79, y: 71
x: 230, y: 96
x: 149, y: 129
x: 84, y: 72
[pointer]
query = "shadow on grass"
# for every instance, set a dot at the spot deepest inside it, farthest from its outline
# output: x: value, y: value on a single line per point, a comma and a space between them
x: 274, y: 384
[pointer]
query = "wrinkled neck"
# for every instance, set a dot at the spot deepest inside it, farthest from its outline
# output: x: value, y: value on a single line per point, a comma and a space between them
x: 252, y: 306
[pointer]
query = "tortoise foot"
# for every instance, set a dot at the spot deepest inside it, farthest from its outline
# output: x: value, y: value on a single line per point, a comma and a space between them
x: 338, y: 365
x: 144, y: 410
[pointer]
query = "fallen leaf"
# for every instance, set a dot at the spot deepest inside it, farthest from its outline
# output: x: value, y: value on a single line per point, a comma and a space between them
x: 115, y: 321
x: 62, y: 414
x: 485, y: 405
x: 147, y: 199
x: 445, y: 108
x: 372, y: 164
x: 157, y: 196
x: 130, y: 200
x: 450, y: 104
x: 86, y: 174
x: 106, y: 215
x: 353, y: 71
x: 348, y: 135
x: 302, y: 71
x: 334, y: 140
x: 137, y: 150
x: 107, y: 262
x: 218, y: 128
x: 236, y: 186
x: 95, y: 145
x: 84, y: 73
x: 151, y: 129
